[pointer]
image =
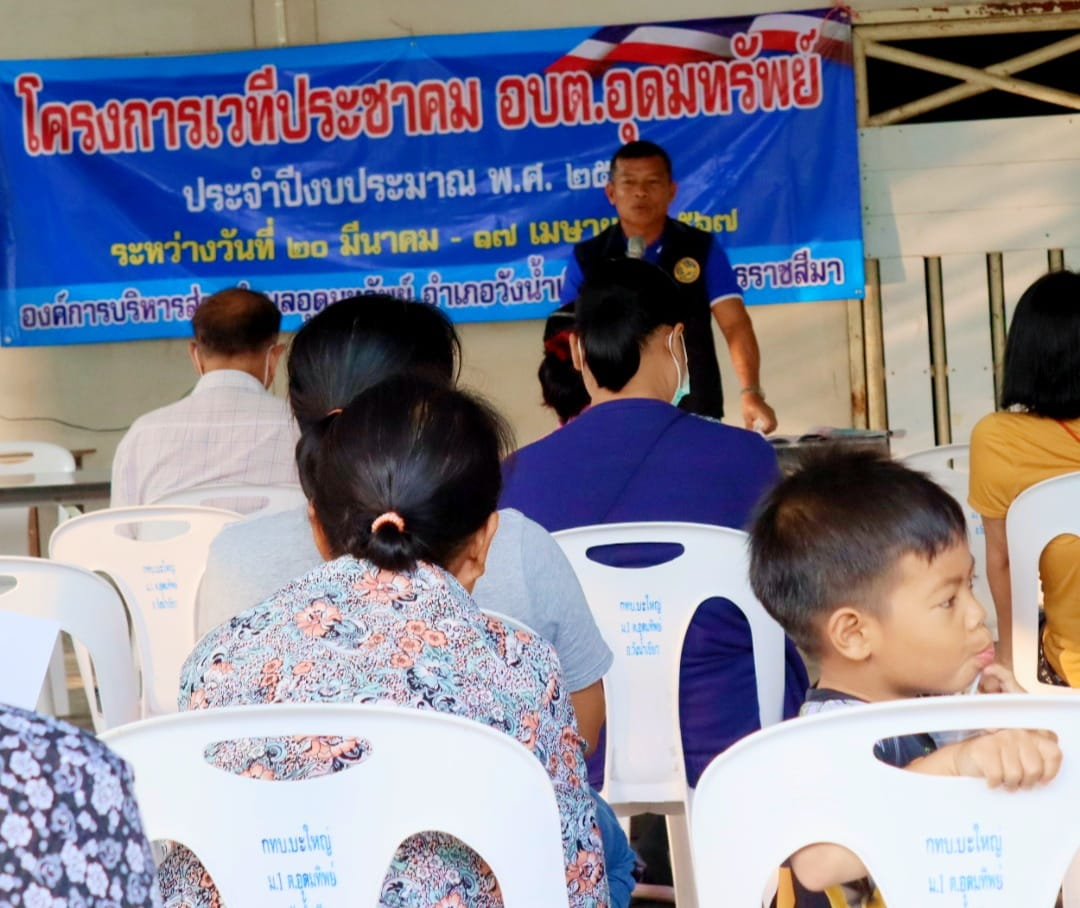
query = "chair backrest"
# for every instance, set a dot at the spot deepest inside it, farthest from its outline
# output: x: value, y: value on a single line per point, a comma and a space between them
x: 17, y: 457
x: 943, y: 457
x: 249, y: 500
x: 425, y: 771
x: 24, y: 458
x: 643, y: 614
x: 27, y: 644
x: 947, y: 465
x: 92, y: 613
x: 1039, y: 513
x: 156, y: 557
x: 927, y: 840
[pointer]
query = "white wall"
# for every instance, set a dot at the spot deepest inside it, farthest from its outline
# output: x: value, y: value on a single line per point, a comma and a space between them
x: 960, y: 191
x: 804, y: 346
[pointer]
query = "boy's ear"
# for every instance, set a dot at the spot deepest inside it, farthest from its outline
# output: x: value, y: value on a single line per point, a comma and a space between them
x: 851, y: 632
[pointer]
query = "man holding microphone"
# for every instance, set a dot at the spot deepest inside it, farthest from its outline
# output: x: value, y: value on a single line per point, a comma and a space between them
x: 641, y: 188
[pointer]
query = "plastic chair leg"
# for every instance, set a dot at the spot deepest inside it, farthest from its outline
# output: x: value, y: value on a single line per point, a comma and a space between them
x: 57, y: 684
x: 678, y: 828
x: 1070, y: 887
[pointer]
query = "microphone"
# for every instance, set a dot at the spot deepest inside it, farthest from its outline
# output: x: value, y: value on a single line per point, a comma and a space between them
x: 635, y: 247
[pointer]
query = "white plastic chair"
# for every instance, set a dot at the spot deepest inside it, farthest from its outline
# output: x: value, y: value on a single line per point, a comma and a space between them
x: 19, y: 458
x: 249, y: 500
x: 92, y: 613
x: 927, y: 840
x: 425, y: 771
x: 27, y: 643
x: 943, y: 457
x: 948, y: 466
x: 1039, y: 513
x: 644, y: 768
x: 20, y: 530
x: 157, y: 568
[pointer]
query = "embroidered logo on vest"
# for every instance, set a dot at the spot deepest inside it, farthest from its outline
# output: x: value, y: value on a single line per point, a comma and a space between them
x: 686, y: 270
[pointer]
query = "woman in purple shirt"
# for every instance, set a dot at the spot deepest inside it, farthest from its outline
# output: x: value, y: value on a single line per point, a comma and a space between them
x: 634, y: 456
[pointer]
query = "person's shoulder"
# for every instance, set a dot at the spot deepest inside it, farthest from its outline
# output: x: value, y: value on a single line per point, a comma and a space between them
x: 38, y: 733
x: 1003, y: 425
x: 164, y: 414
x: 681, y: 228
x: 598, y: 241
x: 515, y: 526
x: 257, y: 532
x: 732, y: 436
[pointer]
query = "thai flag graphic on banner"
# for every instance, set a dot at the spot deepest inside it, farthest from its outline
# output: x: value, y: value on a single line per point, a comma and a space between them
x: 703, y: 40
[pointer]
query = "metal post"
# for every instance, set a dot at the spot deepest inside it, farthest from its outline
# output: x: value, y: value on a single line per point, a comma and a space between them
x: 857, y: 364
x: 874, y: 341
x: 995, y: 280
x: 939, y: 361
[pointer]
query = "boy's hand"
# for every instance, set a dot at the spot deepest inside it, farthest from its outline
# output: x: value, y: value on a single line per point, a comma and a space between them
x: 997, y: 679
x: 1011, y: 758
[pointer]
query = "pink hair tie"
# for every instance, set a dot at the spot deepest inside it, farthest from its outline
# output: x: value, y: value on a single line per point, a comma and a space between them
x: 392, y: 517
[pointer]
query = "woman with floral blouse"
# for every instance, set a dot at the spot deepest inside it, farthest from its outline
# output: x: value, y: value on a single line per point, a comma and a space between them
x: 70, y: 833
x: 403, y: 485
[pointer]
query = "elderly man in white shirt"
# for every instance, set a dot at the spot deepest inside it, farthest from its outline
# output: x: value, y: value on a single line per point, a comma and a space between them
x: 230, y: 428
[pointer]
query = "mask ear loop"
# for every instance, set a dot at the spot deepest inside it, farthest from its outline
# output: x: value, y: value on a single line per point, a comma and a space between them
x: 266, y: 368
x: 675, y: 359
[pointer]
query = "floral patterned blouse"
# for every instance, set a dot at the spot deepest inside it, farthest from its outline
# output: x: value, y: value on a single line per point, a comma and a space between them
x: 350, y: 632
x: 70, y: 832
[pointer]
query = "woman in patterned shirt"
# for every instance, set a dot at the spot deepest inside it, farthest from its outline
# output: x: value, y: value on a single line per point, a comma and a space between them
x: 70, y: 833
x: 403, y: 485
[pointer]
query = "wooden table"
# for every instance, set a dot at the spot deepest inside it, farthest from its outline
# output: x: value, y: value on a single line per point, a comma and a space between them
x: 36, y: 489
x: 30, y: 489
x: 790, y: 450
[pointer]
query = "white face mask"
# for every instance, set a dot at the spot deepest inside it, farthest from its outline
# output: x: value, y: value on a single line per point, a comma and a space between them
x: 682, y: 376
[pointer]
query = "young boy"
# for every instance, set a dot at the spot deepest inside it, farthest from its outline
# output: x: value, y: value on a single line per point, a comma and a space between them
x: 866, y: 565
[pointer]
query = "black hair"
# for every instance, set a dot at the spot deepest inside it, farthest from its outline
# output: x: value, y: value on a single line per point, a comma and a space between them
x: 1042, y: 354
x: 621, y: 304
x: 412, y: 447
x: 560, y: 383
x: 358, y: 342
x: 236, y: 321
x: 633, y: 151
x: 833, y: 532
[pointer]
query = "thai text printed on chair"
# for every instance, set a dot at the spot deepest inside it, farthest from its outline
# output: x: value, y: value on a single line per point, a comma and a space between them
x: 425, y: 771
x: 155, y: 556
x: 644, y: 766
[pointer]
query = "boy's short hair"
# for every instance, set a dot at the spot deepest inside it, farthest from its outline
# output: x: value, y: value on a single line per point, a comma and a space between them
x: 833, y: 532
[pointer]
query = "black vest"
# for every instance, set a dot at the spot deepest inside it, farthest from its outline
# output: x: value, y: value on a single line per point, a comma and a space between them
x: 680, y: 241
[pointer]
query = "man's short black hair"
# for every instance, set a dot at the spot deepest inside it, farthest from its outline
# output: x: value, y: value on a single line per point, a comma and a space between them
x: 633, y: 151
x: 236, y: 321
x: 833, y: 532
x: 1042, y: 354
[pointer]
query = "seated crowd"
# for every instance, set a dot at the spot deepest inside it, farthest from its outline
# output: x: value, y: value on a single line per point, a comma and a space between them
x: 421, y: 519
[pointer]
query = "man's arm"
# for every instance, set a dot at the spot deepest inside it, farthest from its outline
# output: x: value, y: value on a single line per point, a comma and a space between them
x: 738, y: 331
x: 572, y: 280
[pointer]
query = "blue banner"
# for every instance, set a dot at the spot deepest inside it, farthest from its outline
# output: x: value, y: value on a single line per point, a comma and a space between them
x: 457, y: 170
